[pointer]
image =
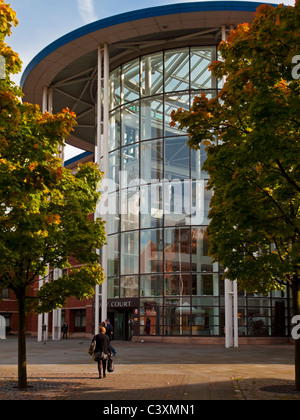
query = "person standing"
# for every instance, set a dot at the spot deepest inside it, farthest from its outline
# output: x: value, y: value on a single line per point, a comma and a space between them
x: 65, y: 330
x: 102, y: 350
x: 109, y: 333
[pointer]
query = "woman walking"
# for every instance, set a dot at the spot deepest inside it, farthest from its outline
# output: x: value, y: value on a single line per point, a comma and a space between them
x: 102, y: 350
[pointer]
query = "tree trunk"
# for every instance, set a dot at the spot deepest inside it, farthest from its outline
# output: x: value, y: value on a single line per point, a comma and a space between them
x: 296, y: 310
x: 22, y: 366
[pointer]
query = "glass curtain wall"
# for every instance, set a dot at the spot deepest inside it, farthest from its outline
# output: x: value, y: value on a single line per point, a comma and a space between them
x: 158, y: 202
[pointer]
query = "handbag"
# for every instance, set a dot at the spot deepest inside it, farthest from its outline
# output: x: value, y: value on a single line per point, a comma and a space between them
x: 92, y: 348
x: 110, y: 365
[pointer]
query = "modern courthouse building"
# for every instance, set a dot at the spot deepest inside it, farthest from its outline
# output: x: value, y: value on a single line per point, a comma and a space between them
x: 123, y: 76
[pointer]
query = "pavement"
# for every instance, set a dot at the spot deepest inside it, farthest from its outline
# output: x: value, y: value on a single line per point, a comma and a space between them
x: 62, y: 370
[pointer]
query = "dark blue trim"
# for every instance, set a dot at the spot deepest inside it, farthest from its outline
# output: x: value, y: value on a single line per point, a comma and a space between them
x: 77, y: 158
x: 205, y: 6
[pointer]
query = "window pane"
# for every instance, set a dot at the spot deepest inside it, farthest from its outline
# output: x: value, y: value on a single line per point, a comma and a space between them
x: 152, y: 118
x: 177, y: 249
x: 201, y: 261
x: 130, y: 209
x: 173, y: 102
x: 131, y: 81
x: 151, y: 205
x: 113, y: 255
x: 177, y: 203
x: 151, y: 285
x: 129, y: 164
x: 177, y: 284
x: 205, y: 284
x: 113, y: 170
x: 129, y: 253
x: 113, y: 213
x: 113, y: 287
x: 114, y: 130
x: 177, y: 70
x: 130, y: 124
x: 151, y: 251
x: 115, y: 88
x: 201, y: 58
x: 129, y: 286
x: 198, y: 157
x: 152, y: 74
x: 201, y: 197
x: 151, y: 316
x: 177, y: 158
x: 152, y: 161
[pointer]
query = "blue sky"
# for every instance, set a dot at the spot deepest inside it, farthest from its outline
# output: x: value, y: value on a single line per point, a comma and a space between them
x: 43, y: 21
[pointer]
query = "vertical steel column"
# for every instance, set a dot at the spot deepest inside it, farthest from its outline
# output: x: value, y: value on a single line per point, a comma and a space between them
x: 42, y: 318
x: 101, y: 157
x: 231, y: 291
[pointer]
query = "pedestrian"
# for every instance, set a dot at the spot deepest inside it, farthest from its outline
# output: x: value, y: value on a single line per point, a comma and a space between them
x: 102, y: 350
x: 109, y: 333
x: 65, y: 330
x: 147, y: 327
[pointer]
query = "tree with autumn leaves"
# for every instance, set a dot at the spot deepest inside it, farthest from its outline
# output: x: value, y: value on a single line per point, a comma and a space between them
x: 252, y: 137
x: 44, y: 208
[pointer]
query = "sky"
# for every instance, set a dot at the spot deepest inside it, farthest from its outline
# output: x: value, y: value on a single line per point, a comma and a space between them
x: 43, y: 21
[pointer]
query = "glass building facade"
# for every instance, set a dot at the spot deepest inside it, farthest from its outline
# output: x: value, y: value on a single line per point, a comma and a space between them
x: 158, y: 206
x: 123, y: 76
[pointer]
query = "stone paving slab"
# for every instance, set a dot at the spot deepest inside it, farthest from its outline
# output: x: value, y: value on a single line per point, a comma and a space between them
x: 148, y: 371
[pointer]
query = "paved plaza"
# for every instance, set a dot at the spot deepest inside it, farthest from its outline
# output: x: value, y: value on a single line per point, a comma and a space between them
x: 62, y: 370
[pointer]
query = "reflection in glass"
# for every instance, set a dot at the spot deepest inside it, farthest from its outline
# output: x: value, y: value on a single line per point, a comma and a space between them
x: 129, y: 253
x: 205, y: 284
x: 177, y: 249
x: 151, y: 254
x: 151, y: 285
x: 129, y: 286
x: 201, y: 261
x: 151, y: 316
x: 177, y: 284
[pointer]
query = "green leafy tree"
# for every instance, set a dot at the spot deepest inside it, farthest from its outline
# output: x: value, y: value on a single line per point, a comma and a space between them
x: 44, y: 208
x: 252, y: 137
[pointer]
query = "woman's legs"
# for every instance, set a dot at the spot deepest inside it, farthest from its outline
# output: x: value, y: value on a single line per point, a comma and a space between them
x: 99, y: 367
x: 104, y: 368
x: 102, y: 364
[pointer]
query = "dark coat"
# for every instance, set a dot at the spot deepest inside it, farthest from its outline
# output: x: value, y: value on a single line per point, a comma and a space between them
x: 102, y: 343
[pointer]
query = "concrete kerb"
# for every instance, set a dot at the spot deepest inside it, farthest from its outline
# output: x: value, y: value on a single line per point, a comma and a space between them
x: 149, y: 371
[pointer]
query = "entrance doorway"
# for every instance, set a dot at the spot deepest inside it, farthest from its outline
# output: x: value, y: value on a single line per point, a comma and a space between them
x: 122, y: 322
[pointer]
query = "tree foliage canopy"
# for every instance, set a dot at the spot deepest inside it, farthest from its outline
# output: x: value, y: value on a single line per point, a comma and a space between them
x: 44, y: 208
x: 252, y: 137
